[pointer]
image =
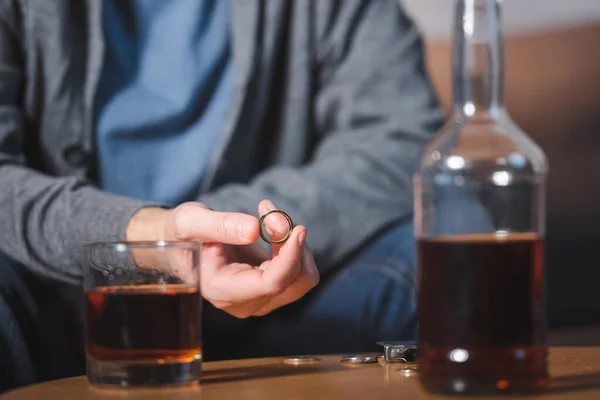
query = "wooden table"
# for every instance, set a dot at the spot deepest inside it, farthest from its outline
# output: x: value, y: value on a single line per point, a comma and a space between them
x: 575, y: 374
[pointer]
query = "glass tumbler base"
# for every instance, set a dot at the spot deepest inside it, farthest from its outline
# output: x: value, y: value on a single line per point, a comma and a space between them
x: 147, y: 373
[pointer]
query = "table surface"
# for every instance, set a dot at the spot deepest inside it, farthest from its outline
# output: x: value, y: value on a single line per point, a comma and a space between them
x: 575, y: 374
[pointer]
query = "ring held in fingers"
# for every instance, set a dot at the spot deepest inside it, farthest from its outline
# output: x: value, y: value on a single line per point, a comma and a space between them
x: 263, y: 229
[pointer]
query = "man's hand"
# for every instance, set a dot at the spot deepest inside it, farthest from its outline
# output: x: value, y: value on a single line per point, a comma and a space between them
x: 194, y: 222
x: 237, y: 274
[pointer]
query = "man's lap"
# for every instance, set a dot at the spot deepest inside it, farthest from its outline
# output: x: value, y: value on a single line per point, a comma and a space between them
x: 15, y: 363
x: 34, y: 339
x: 372, y: 298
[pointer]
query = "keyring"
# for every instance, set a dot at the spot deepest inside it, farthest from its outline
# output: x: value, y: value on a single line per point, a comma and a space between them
x: 266, y: 237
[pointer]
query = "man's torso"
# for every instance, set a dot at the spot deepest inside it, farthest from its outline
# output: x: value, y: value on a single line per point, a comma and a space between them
x: 274, y: 49
x: 163, y: 96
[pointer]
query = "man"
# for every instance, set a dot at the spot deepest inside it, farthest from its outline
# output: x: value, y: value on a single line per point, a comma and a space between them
x: 174, y: 120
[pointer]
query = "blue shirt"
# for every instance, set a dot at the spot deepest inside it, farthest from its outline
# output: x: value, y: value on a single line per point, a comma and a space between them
x: 163, y: 95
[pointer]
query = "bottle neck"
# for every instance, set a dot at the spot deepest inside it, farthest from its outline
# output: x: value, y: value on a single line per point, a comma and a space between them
x: 478, y: 60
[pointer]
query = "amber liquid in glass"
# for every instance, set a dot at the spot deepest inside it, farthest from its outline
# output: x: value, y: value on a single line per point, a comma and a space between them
x: 159, y: 323
x: 481, y: 310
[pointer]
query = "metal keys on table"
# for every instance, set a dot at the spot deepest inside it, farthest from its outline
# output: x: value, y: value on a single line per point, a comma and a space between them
x: 397, y: 357
x: 393, y: 352
x: 399, y: 352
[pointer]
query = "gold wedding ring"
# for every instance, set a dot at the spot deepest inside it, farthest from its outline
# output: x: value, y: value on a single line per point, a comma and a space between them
x: 265, y: 236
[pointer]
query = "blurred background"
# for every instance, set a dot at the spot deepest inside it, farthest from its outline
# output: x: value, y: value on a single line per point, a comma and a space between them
x: 553, y: 92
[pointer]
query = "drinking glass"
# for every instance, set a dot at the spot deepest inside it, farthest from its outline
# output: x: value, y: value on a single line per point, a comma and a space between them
x: 143, y: 313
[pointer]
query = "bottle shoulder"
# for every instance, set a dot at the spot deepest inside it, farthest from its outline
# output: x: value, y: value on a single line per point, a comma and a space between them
x: 486, y: 143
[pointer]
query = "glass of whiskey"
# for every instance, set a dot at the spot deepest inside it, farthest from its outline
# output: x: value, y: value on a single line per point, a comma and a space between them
x: 143, y: 314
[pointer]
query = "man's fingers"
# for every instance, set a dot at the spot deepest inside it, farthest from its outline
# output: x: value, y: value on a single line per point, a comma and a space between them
x: 306, y: 280
x: 193, y: 221
x: 284, y: 267
x: 252, y: 254
x: 237, y: 282
x: 212, y: 257
x: 177, y: 264
x: 276, y: 225
x: 224, y: 282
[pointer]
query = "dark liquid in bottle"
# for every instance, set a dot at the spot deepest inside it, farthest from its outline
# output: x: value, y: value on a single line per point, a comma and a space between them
x: 144, y: 323
x: 481, y: 314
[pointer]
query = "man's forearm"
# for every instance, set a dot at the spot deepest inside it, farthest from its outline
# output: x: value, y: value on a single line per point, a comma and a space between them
x: 46, y: 221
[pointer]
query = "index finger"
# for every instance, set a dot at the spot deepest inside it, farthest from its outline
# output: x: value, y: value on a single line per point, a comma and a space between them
x: 193, y: 221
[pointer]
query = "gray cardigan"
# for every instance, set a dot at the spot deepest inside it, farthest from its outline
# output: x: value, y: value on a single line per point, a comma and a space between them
x: 330, y: 112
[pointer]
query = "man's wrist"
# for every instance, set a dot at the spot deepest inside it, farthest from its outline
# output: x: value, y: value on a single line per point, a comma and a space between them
x: 148, y: 224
